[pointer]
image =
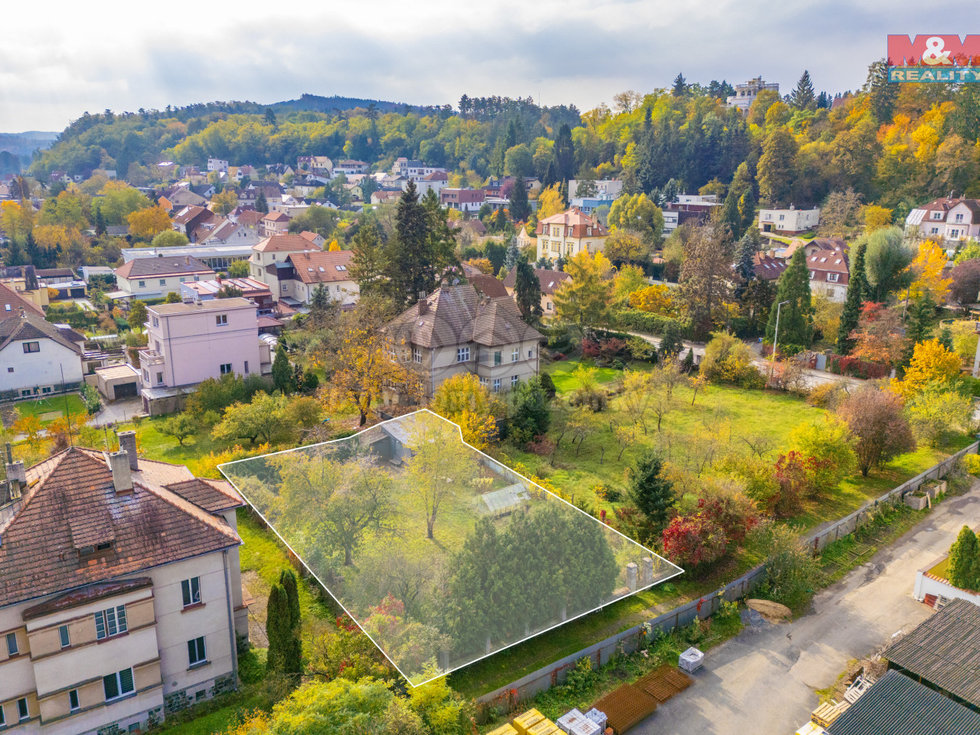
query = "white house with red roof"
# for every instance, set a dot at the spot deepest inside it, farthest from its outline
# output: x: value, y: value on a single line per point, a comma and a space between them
x: 947, y: 221
x: 569, y: 233
x: 826, y: 259
x: 315, y: 269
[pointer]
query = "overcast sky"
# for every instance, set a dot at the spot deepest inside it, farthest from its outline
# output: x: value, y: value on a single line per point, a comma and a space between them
x: 60, y: 59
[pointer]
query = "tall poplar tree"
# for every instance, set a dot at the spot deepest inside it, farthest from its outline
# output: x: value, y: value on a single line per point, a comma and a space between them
x: 795, y: 316
x: 520, y: 209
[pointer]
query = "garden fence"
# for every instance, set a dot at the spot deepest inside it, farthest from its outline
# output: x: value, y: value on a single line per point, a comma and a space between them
x: 507, y: 698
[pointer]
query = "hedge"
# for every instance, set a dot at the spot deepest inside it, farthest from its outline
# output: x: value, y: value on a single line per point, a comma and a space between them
x: 649, y: 323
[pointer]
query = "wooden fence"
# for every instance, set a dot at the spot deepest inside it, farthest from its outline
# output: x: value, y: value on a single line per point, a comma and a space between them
x: 506, y: 698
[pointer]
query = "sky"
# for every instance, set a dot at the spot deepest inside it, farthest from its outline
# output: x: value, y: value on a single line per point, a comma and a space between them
x: 60, y: 59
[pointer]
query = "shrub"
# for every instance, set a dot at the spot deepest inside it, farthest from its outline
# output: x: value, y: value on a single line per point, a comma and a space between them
x: 728, y: 360
x: 642, y: 321
x: 791, y: 571
x: 972, y: 464
x: 827, y: 395
x: 937, y: 416
x: 829, y: 443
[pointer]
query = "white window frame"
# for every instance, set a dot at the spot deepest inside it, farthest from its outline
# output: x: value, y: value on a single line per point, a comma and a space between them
x: 515, y: 354
x: 514, y: 380
x: 462, y: 354
x: 221, y: 320
x: 111, y: 621
x: 117, y: 677
x: 197, y: 652
x: 417, y: 355
x: 190, y: 591
x: 496, y: 385
x: 222, y: 366
x: 23, y: 709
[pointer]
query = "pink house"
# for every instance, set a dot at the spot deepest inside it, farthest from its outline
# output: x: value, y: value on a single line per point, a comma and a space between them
x: 188, y: 343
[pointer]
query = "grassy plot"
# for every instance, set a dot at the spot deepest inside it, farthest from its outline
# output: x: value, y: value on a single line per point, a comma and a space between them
x: 52, y: 407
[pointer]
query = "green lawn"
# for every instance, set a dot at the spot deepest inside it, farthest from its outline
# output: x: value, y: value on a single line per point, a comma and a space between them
x: 565, y: 381
x: 157, y: 445
x: 52, y: 407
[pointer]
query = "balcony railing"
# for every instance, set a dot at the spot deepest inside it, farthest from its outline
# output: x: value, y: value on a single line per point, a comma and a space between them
x: 151, y: 357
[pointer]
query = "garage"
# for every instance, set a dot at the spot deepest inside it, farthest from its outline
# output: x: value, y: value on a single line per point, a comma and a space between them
x: 118, y: 381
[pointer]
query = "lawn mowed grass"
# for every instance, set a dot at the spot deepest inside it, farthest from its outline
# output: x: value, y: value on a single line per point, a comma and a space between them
x: 46, y: 408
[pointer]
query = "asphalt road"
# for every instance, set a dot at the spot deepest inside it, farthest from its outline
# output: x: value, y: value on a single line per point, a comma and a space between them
x: 764, y: 680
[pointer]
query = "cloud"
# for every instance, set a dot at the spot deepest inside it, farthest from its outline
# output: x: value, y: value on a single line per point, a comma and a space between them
x: 561, y: 52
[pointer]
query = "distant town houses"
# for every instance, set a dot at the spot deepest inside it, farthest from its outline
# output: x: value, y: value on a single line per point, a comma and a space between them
x: 275, y: 223
x: 568, y: 233
x: 191, y: 342
x: 790, y: 221
x: 947, y: 221
x: 688, y: 209
x: 826, y: 259
x: 746, y: 93
x: 121, y: 600
x: 347, y: 167
x: 154, y: 278
x: 315, y: 164
x: 462, y: 200
x: 456, y: 330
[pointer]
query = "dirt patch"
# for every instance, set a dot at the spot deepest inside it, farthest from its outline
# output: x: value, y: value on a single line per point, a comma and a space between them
x: 257, y: 595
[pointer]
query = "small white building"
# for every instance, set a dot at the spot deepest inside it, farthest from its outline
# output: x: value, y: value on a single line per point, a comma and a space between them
x: 217, y: 164
x: 790, y: 221
x: 746, y: 93
x: 947, y: 221
x: 37, y: 357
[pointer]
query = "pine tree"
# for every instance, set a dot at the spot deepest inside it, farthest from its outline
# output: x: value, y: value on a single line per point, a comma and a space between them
x: 680, y: 86
x: 282, y: 373
x: 919, y: 326
x: 261, y: 205
x: 99, y: 221
x: 803, y: 98
x: 732, y: 210
x: 564, y: 156
x: 520, y: 209
x: 946, y: 338
x: 748, y: 246
x: 527, y: 290
x: 279, y: 631
x: 857, y: 293
x: 964, y: 560
x: 651, y: 493
x: 795, y: 316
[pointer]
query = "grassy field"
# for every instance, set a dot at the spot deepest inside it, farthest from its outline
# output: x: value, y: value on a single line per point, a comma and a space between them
x: 52, y: 407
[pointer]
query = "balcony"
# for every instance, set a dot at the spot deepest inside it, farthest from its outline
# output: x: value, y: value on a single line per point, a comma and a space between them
x: 150, y: 357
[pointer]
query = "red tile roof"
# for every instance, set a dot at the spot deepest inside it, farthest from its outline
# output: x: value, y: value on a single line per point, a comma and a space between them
x: 284, y: 244
x: 577, y: 221
x: 322, y: 266
x: 12, y: 302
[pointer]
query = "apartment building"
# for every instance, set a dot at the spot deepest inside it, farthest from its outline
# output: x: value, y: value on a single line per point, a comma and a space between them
x: 120, y: 592
x: 568, y: 233
x: 154, y: 278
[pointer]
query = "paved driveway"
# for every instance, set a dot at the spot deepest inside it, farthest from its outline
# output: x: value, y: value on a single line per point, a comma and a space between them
x: 763, y: 680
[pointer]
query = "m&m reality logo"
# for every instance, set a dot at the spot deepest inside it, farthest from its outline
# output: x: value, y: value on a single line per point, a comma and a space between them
x: 934, y: 58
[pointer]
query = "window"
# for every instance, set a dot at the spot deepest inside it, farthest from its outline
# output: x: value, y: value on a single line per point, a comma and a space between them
x: 141, y: 284
x: 937, y: 215
x: 221, y: 320
x: 782, y: 217
x: 934, y: 230
x: 959, y: 217
x: 45, y: 390
x: 118, y: 685
x: 530, y: 354
x: 110, y: 622
x: 159, y: 378
x: 513, y: 381
x: 498, y: 357
x: 3, y: 720
x: 10, y: 370
x: 163, y: 281
x: 225, y: 368
x: 191, y: 591
x: 484, y: 382
x: 156, y: 321
x: 195, y: 652
x: 246, y: 367
x: 551, y: 306
x: 462, y: 354
x: 73, y: 700
x: 496, y: 385
x: 65, y: 637
x: 833, y: 277
x: 12, y: 649
x: 515, y: 355
x: 22, y: 711
x: 32, y: 347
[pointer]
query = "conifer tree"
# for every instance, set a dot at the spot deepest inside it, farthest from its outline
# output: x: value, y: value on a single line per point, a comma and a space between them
x: 279, y: 631
x: 520, y: 210
x: 803, y: 97
x: 287, y: 578
x: 527, y: 289
x: 652, y: 494
x: 964, y: 561
x: 857, y: 293
x: 680, y: 86
x: 564, y: 156
x: 919, y: 326
x: 795, y: 316
x: 261, y: 203
x: 282, y: 374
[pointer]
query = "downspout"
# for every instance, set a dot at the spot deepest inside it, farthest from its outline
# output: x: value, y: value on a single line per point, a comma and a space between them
x: 231, y: 618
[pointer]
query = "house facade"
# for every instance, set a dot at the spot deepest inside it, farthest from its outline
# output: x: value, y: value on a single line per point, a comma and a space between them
x: 454, y: 330
x: 462, y: 200
x: 569, y: 233
x: 189, y: 343
x: 788, y: 221
x: 746, y: 93
x: 269, y: 262
x: 312, y: 270
x: 947, y: 221
x: 275, y: 223
x: 122, y: 596
x: 151, y: 278
x: 36, y: 357
x: 827, y: 261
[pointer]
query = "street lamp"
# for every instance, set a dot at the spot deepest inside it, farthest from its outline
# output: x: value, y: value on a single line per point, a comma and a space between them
x: 775, y: 340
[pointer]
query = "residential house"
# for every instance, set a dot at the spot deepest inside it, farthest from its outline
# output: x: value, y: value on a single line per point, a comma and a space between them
x: 568, y: 233
x: 605, y: 188
x: 248, y: 196
x: 548, y: 280
x: 790, y: 221
x: 23, y: 280
x: 348, y: 167
x: 255, y: 291
x: 435, y: 181
x: 947, y: 221
x: 180, y: 196
x: 691, y: 209
x: 230, y: 233
x: 36, y: 357
x: 269, y: 262
x: 380, y: 196
x: 315, y: 269
x: 121, y: 600
x: 746, y: 93
x: 316, y: 240
x: 826, y: 259
x: 189, y: 221
x: 315, y: 164
x: 188, y: 343
x: 767, y: 266
x: 154, y: 278
x: 488, y: 286
x: 218, y: 257
x: 217, y: 164
x: 275, y: 223
x: 454, y: 330
x: 462, y: 200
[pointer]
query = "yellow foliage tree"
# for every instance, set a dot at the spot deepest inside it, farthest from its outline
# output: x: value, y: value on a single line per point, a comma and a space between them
x: 334, y: 246
x: 931, y: 364
x: 928, y: 269
x: 875, y: 217
x: 586, y: 297
x: 656, y: 299
x: 483, y: 264
x: 463, y: 400
x: 149, y: 222
x: 550, y: 202
x: 15, y: 220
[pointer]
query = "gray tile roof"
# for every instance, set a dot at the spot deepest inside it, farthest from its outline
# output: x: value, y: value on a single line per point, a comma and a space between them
x: 944, y: 650
x: 897, y: 705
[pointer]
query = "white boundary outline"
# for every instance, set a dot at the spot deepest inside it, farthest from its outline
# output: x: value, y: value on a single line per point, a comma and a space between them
x: 497, y: 463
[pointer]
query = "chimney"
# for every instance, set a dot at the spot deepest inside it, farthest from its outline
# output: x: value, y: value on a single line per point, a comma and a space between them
x: 423, y: 307
x: 127, y: 443
x: 122, y: 475
x: 17, y: 477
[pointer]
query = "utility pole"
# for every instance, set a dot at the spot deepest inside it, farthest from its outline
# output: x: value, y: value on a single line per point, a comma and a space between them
x: 775, y: 340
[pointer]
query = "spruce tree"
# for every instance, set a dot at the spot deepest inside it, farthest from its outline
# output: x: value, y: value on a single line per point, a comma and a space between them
x: 964, y: 561
x: 288, y: 581
x: 748, y: 246
x: 795, y: 316
x: 564, y: 156
x: 282, y: 374
x: 857, y: 293
x: 687, y: 364
x: 803, y: 97
x: 261, y: 204
x: 527, y: 290
x: 652, y: 494
x: 279, y: 630
x: 679, y: 88
x: 513, y: 255
x: 919, y: 325
x: 946, y: 338
x: 520, y: 209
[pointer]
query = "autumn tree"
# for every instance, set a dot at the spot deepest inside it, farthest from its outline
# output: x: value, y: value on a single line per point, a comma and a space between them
x: 137, y: 315
x: 636, y: 213
x: 880, y: 335
x: 224, y: 202
x: 932, y: 364
x: 876, y: 420
x: 964, y: 560
x: 656, y: 299
x: 550, y: 202
x: 584, y: 299
x: 965, y: 286
x: 146, y: 223
x: 938, y: 415
x: 776, y: 169
x: 887, y: 260
x: 462, y: 399
x: 179, y: 426
x: 440, y: 469
x: 706, y: 277
x: 529, y: 416
x: 929, y: 266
